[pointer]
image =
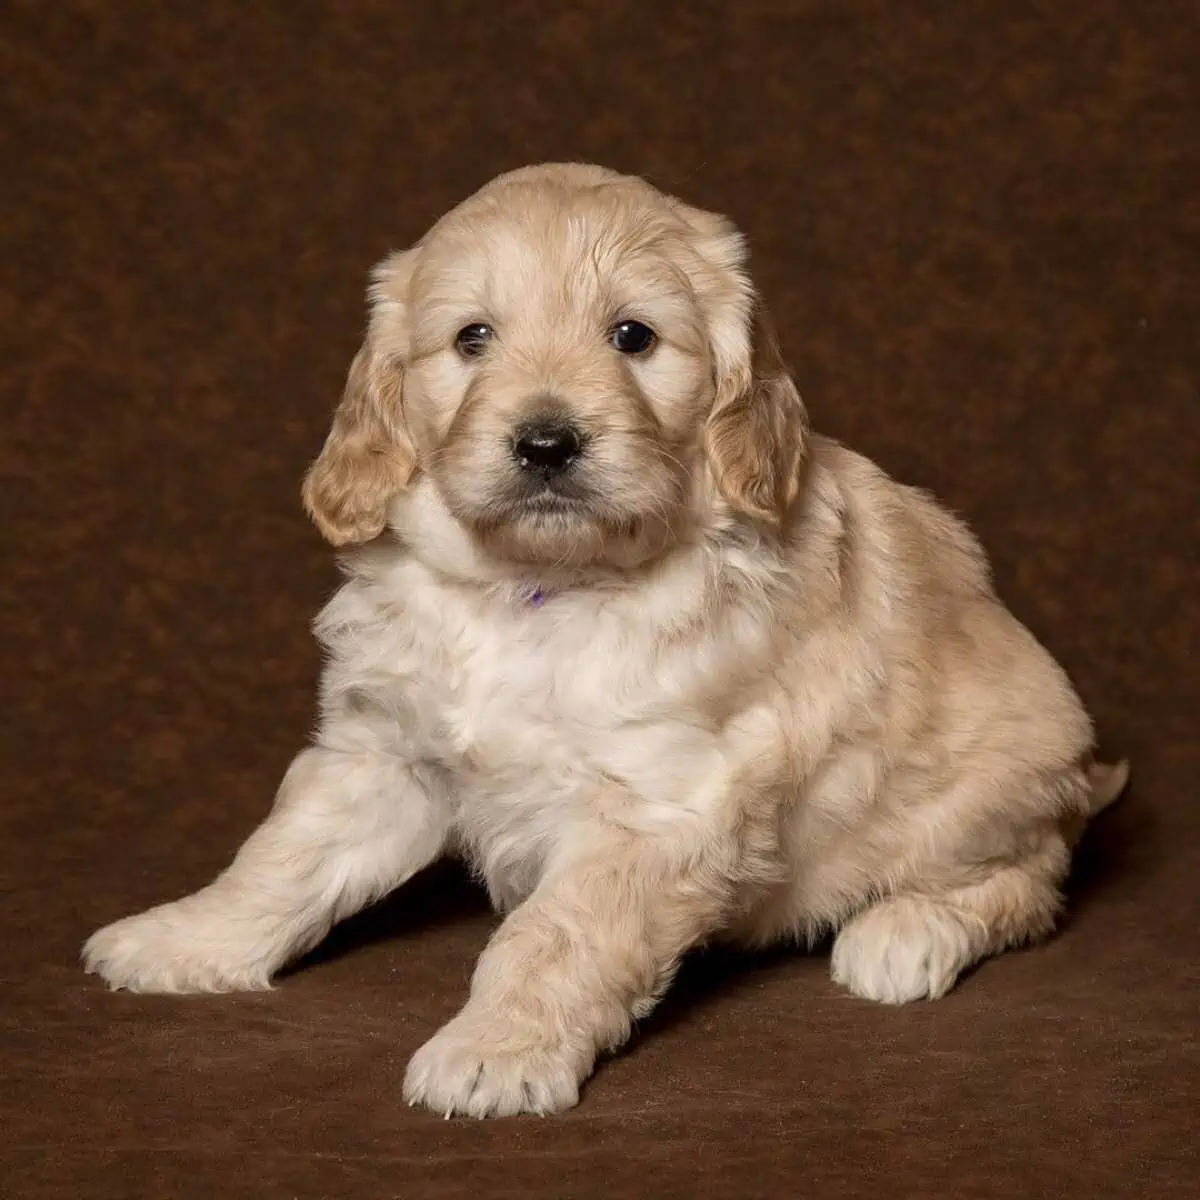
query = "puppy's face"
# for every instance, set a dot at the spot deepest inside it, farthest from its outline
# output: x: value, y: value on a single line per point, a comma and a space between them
x: 559, y: 370
x: 568, y: 356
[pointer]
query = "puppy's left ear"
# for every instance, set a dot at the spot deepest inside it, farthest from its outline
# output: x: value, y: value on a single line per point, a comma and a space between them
x: 757, y: 434
x: 756, y: 438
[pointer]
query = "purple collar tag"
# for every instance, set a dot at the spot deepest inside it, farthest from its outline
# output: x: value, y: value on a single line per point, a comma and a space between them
x: 538, y: 598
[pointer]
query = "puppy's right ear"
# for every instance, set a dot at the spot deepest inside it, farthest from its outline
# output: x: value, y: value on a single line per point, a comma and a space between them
x: 368, y: 455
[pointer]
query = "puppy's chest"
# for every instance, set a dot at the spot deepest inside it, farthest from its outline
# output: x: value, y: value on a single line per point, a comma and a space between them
x: 560, y: 733
x: 541, y: 721
x: 513, y: 708
x: 509, y: 698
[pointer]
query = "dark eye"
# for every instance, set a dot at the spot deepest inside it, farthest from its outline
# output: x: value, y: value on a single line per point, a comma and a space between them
x: 632, y: 337
x: 471, y: 340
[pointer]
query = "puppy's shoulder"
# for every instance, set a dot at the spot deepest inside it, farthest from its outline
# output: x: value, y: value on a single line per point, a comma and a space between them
x: 892, y: 528
x: 380, y: 581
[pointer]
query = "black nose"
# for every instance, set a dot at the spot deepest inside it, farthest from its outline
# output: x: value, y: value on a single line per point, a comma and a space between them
x: 547, y: 446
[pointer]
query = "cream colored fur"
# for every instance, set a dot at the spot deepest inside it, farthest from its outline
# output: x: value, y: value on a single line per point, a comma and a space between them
x: 770, y: 692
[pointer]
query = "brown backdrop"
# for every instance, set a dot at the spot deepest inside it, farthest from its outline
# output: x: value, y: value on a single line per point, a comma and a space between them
x: 978, y: 226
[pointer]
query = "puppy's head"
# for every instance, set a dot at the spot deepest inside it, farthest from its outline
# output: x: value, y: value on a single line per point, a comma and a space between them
x: 578, y: 364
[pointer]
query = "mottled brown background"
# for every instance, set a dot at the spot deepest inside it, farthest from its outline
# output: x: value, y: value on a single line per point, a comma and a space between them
x: 978, y: 226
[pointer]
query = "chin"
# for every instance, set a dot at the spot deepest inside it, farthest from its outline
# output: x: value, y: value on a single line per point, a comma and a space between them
x: 567, y: 536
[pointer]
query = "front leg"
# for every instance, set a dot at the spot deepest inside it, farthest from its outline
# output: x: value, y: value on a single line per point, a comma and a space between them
x: 564, y: 976
x: 346, y: 828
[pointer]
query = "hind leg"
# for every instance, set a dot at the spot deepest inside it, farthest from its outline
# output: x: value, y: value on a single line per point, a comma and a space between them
x: 914, y: 945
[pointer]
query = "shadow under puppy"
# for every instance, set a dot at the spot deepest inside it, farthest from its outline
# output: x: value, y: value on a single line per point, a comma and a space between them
x: 661, y: 664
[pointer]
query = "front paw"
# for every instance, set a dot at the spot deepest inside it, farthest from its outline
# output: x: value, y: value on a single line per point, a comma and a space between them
x: 186, y: 946
x: 479, y: 1065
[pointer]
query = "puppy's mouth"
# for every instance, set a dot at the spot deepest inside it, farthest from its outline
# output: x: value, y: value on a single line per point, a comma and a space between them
x: 580, y: 512
x: 556, y: 494
x: 566, y: 523
x: 542, y: 503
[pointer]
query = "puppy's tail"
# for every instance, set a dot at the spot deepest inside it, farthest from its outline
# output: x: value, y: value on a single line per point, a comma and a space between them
x: 1108, y: 781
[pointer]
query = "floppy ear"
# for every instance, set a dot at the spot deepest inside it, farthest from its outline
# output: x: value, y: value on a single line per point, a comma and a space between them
x: 368, y: 456
x: 757, y: 431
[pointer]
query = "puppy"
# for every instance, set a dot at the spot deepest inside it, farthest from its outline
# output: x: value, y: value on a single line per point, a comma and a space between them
x: 661, y: 664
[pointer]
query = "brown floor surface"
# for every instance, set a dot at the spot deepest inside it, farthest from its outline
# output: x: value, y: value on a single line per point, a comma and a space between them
x: 978, y: 225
